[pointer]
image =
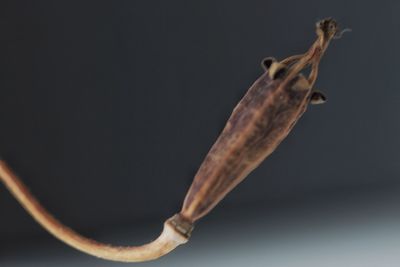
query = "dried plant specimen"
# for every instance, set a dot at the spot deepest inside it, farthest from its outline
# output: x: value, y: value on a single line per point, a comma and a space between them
x: 258, y: 124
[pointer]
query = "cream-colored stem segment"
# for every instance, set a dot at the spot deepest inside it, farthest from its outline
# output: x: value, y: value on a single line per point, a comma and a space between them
x: 166, y: 242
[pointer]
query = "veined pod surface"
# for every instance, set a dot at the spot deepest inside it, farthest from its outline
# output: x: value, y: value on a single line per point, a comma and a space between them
x: 260, y: 121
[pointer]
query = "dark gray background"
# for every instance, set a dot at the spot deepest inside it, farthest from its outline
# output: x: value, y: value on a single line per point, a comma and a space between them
x: 107, y: 109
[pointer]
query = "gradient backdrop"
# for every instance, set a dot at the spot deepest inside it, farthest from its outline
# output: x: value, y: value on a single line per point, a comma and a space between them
x: 107, y: 109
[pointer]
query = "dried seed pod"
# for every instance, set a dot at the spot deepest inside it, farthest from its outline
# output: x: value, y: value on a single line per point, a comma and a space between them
x: 261, y: 120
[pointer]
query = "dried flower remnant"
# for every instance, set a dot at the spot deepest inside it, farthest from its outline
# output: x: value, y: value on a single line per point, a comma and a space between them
x: 257, y: 125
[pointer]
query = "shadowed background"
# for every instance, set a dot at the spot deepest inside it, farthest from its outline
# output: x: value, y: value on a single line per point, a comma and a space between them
x: 107, y: 109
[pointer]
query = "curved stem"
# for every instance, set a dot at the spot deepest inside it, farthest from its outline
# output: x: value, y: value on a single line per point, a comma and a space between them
x: 168, y: 240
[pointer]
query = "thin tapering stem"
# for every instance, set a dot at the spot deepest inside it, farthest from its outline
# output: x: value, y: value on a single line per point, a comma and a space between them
x: 169, y: 239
